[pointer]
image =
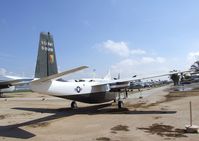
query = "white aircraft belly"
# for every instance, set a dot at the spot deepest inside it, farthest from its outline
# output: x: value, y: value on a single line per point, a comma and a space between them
x: 58, y: 88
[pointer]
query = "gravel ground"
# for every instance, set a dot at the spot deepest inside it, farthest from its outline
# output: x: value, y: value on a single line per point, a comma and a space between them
x: 161, y: 115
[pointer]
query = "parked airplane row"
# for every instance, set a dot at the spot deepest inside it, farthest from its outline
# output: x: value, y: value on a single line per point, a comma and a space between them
x: 47, y: 80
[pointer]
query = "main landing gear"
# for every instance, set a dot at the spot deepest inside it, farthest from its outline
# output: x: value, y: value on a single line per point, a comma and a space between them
x: 120, y: 103
x: 74, y: 105
x: 1, y: 94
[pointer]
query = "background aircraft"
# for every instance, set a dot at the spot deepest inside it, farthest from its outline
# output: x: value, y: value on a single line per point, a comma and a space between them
x: 9, y: 83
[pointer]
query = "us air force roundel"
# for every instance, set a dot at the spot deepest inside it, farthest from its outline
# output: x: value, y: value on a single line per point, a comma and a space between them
x: 78, y: 89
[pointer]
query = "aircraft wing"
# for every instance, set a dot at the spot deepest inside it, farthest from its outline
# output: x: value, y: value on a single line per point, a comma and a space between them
x: 59, y: 75
x: 116, y: 85
x: 8, y: 83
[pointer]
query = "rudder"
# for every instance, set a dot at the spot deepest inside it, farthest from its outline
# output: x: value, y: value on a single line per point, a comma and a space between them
x: 46, y: 59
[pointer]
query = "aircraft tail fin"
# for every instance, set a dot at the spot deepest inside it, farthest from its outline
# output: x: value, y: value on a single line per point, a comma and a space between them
x: 108, y: 76
x: 46, y: 60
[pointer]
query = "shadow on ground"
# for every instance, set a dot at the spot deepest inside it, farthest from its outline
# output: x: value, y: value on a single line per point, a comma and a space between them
x: 15, y: 131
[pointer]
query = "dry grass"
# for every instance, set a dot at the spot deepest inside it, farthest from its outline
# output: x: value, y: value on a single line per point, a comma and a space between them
x: 103, y: 139
x: 170, y: 97
x: 2, y: 117
x: 40, y: 124
x: 164, y: 130
x: 120, y: 128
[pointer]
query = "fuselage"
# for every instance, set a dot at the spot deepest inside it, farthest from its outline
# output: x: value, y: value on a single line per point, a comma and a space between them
x: 83, y: 90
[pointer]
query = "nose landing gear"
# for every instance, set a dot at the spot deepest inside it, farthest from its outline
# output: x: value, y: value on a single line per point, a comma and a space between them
x: 120, y: 103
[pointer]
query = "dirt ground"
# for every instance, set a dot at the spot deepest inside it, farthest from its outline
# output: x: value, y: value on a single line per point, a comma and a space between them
x: 160, y: 116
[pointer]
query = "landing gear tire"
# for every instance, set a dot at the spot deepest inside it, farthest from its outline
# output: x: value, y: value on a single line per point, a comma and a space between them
x: 1, y: 95
x: 120, y: 104
x: 73, y: 105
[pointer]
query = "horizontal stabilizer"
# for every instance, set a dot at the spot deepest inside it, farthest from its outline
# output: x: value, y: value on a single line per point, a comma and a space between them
x: 59, y: 75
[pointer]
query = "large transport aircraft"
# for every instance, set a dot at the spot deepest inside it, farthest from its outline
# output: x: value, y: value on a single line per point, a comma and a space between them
x: 95, y: 90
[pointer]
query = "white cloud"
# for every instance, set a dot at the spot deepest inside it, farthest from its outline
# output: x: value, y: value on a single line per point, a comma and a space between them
x: 145, y: 65
x: 153, y: 60
x: 120, y: 48
x: 126, y: 62
x: 160, y: 60
x: 3, y: 71
x: 136, y: 60
x: 137, y: 52
x: 126, y: 66
x: 193, y: 56
x: 148, y: 60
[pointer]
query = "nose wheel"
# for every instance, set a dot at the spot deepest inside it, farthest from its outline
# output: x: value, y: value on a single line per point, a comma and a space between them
x: 74, y: 105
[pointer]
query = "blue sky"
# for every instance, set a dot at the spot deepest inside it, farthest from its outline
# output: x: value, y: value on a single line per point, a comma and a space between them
x: 125, y: 36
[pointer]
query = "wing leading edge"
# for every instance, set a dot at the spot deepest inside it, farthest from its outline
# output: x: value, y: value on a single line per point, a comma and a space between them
x: 59, y: 75
x: 117, y: 85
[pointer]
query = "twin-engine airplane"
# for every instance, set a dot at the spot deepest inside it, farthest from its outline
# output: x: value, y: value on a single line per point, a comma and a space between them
x: 95, y: 90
